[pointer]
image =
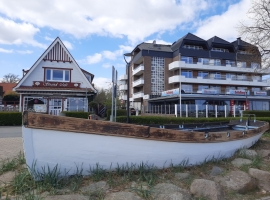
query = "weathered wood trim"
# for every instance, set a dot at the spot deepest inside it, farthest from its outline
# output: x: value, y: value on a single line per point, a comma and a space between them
x: 70, y: 124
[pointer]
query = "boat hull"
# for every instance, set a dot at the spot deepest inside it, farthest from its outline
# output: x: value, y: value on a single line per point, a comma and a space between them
x: 70, y: 150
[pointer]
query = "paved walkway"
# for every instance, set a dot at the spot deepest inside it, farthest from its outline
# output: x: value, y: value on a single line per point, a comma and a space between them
x: 10, y: 141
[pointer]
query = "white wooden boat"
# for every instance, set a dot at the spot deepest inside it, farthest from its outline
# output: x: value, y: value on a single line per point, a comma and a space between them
x: 72, y: 142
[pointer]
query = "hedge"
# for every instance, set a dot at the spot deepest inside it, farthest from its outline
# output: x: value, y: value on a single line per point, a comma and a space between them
x: 258, y: 113
x: 83, y: 115
x: 176, y: 120
x: 120, y: 112
x: 10, y: 118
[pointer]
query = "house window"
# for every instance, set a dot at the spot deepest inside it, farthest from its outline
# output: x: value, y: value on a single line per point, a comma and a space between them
x: 187, y: 88
x: 204, y: 61
x: 255, y: 65
x: 187, y: 59
x: 203, y: 74
x: 242, y: 64
x: 57, y: 75
x: 219, y: 49
x: 230, y: 62
x: 215, y: 62
x: 186, y: 73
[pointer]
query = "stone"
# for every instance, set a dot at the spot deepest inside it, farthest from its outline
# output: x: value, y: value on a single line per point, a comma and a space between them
x: 67, y: 197
x: 122, y: 196
x: 263, y: 178
x: 238, y: 181
x: 100, y: 186
x: 216, y: 171
x: 265, y: 153
x: 238, y: 162
x: 264, y: 198
x: 168, y: 191
x: 181, y: 176
x: 248, y: 153
x: 206, y: 188
x: 6, y: 178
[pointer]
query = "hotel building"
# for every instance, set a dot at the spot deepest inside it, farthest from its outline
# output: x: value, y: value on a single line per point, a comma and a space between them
x: 208, y: 72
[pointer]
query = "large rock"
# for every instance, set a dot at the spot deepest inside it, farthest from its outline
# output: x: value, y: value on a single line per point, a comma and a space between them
x: 238, y: 162
x: 122, y: 196
x: 181, y: 176
x: 67, y: 197
x: 168, y: 191
x: 265, y: 153
x: 248, y: 153
x: 262, y: 177
x: 100, y: 186
x: 206, y: 188
x: 238, y: 181
x: 216, y: 171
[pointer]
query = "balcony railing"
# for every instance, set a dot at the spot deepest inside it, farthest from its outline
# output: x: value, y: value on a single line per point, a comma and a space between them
x: 138, y: 70
x: 123, y: 77
x: 138, y: 95
x: 138, y: 82
x: 123, y: 87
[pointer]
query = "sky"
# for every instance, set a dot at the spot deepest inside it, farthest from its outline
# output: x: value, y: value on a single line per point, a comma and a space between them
x: 98, y: 33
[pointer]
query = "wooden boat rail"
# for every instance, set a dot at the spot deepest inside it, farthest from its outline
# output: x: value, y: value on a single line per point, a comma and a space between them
x: 70, y: 124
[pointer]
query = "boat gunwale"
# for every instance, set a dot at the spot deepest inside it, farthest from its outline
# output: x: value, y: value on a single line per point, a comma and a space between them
x: 79, y: 125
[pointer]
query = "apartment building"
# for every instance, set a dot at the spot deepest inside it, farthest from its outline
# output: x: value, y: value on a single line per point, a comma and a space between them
x: 212, y: 72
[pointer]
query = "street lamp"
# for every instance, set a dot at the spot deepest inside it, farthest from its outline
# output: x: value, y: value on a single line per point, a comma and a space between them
x: 128, y: 78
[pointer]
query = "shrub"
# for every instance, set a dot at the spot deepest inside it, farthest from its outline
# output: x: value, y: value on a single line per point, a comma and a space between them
x: 119, y: 112
x: 10, y: 118
x: 83, y: 115
x: 258, y: 113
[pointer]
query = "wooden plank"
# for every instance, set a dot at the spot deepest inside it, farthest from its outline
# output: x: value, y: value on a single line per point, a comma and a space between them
x: 70, y: 124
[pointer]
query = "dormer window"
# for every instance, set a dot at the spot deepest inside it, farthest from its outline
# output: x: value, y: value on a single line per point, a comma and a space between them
x: 219, y: 49
x: 192, y: 47
x: 57, y: 75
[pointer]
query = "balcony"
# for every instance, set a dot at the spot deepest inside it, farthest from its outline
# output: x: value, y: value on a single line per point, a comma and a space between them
x: 123, y: 77
x: 138, y: 82
x: 138, y: 95
x: 220, y: 80
x: 138, y: 70
x: 212, y: 67
x: 123, y: 87
x: 124, y: 97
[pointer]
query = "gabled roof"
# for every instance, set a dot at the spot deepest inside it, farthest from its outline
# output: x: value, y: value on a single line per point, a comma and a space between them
x: 7, y: 87
x: 154, y: 47
x: 217, y: 40
x: 190, y: 37
x: 57, y: 51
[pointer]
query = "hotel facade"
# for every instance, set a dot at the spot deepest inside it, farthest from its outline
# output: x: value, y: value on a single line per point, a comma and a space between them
x: 211, y: 72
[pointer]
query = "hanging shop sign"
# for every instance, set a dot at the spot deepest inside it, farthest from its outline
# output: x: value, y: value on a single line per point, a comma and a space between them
x: 260, y: 93
x: 56, y: 84
x: 170, y: 92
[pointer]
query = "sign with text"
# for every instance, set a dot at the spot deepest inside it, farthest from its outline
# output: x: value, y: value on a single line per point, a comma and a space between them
x: 208, y: 91
x: 56, y: 84
x: 170, y: 92
x: 260, y: 93
x: 238, y: 92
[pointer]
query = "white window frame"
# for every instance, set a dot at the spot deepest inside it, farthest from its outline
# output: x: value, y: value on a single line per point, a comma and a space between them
x: 64, y: 75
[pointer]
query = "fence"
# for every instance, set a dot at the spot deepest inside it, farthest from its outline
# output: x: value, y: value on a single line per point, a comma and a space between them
x: 188, y: 110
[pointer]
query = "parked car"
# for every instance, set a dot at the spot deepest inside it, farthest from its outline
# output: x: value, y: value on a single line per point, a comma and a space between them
x: 132, y: 111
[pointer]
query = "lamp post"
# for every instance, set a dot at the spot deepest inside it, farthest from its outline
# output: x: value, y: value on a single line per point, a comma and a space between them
x: 246, y: 90
x: 128, y: 78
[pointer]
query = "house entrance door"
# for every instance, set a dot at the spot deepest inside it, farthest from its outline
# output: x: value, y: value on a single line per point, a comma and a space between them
x: 55, y: 106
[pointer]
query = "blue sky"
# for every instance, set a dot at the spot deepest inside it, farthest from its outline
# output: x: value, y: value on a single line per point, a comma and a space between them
x: 97, y: 33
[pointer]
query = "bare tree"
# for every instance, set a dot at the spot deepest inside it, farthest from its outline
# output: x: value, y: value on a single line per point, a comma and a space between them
x: 10, y: 78
x: 258, y: 31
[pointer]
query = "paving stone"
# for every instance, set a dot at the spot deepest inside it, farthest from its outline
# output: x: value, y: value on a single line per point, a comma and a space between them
x: 238, y: 162
x: 248, y: 153
x: 263, y: 178
x: 67, y: 197
x: 181, y: 176
x: 216, y: 171
x: 122, y: 196
x: 168, y: 191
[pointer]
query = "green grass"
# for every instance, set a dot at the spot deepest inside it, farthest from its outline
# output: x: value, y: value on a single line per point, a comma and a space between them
x: 12, y: 164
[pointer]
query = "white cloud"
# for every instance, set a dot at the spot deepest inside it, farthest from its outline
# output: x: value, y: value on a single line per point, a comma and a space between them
x: 134, y: 19
x: 68, y: 44
x: 224, y: 25
x: 18, y: 33
x: 25, y: 52
x: 49, y: 38
x: 101, y: 82
x: 5, y: 50
x: 97, y: 57
x: 158, y: 42
x: 107, y: 65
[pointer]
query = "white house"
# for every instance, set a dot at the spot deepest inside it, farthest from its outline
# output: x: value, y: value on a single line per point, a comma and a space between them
x: 55, y: 83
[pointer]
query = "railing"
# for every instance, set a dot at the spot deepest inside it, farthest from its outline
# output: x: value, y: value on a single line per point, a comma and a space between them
x: 10, y: 108
x: 194, y: 110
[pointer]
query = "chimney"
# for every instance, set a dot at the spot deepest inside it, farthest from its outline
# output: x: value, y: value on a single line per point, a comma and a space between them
x: 239, y: 41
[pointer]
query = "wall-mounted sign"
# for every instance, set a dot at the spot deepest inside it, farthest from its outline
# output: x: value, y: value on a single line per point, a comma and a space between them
x: 208, y: 91
x: 56, y: 84
x: 170, y: 92
x: 239, y: 92
x: 40, y: 108
x: 260, y: 93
